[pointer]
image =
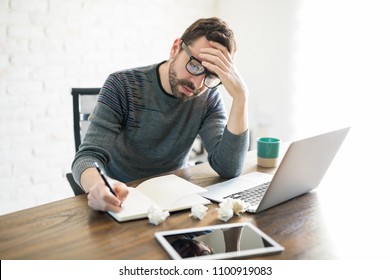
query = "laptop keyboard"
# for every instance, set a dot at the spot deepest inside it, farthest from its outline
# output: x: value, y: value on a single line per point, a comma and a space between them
x: 252, y: 196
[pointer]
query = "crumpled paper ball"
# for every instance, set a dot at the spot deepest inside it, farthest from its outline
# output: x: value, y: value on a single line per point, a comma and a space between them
x: 156, y: 215
x: 225, y: 211
x: 239, y: 206
x: 229, y: 207
x: 198, y: 212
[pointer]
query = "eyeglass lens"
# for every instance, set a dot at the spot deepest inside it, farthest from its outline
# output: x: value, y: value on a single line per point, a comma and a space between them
x: 196, y: 68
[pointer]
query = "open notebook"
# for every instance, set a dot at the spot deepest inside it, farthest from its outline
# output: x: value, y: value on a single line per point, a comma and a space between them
x: 168, y: 192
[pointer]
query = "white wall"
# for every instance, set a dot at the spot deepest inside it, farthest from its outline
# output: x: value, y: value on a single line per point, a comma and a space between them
x: 265, y: 33
x: 321, y: 64
x: 342, y: 67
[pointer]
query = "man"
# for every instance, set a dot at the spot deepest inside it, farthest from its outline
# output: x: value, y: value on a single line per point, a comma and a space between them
x: 147, y: 118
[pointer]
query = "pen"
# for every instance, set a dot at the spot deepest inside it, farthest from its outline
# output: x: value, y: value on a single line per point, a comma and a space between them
x: 105, y: 179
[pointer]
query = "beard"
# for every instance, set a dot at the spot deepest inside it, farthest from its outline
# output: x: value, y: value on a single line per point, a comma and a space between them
x: 175, y: 83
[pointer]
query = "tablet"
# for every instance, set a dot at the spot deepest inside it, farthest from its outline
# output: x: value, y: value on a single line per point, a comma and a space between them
x: 223, y: 241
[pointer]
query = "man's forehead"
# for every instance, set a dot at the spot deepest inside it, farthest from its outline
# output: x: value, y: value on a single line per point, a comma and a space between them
x: 200, y: 43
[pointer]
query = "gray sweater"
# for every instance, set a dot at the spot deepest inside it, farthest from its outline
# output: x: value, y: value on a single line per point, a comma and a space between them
x: 138, y: 130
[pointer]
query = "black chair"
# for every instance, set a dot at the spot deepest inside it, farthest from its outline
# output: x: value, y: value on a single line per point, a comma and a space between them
x: 84, y: 100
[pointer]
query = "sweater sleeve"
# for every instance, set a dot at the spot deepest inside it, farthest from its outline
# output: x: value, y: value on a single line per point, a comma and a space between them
x: 106, y: 122
x: 228, y: 159
x: 226, y: 151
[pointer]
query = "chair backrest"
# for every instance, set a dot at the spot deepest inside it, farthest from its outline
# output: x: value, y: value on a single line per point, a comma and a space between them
x: 84, y: 100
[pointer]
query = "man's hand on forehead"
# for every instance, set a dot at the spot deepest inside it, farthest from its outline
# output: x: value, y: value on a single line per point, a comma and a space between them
x: 216, y: 59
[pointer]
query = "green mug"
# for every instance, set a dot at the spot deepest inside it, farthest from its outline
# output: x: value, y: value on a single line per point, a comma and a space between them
x: 267, y: 151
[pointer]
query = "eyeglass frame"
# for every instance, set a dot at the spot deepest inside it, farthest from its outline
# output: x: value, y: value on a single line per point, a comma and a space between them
x: 205, y: 71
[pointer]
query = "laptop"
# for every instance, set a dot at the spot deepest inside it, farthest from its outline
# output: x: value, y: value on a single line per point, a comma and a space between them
x: 300, y: 171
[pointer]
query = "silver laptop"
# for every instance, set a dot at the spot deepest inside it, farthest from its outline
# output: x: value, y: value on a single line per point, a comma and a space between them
x: 301, y: 170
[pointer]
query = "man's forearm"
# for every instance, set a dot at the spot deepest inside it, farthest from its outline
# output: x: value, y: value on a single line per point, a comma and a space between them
x: 238, y: 118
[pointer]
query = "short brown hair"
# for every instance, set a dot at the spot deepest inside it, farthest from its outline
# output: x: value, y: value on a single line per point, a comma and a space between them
x: 214, y: 29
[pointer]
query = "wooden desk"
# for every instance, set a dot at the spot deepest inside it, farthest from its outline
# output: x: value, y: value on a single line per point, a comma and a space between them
x: 317, y: 225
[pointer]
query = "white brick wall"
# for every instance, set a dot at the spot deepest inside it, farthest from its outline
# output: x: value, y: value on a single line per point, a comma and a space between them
x: 49, y: 46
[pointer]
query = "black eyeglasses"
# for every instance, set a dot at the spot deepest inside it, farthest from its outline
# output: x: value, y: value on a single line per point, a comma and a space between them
x: 195, y: 67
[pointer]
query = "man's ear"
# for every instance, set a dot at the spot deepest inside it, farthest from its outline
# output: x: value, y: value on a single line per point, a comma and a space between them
x: 175, y: 48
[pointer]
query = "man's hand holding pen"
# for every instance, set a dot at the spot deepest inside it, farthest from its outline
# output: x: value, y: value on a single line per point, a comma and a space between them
x: 107, y: 194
